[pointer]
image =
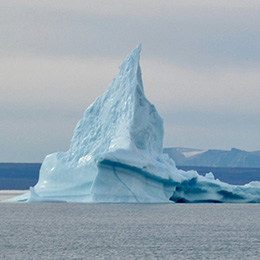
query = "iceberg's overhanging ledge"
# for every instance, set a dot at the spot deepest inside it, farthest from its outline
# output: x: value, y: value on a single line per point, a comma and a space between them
x: 116, y: 156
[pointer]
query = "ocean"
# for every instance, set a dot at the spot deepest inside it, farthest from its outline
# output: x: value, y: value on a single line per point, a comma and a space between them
x: 129, y: 231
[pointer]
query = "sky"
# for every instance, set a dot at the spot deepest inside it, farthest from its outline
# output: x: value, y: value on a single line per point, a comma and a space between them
x: 200, y: 63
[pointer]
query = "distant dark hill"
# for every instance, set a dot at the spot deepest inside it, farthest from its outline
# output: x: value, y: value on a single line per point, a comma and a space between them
x: 214, y: 158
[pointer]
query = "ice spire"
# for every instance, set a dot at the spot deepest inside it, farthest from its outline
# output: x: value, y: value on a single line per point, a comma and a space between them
x: 131, y: 66
x: 122, y: 115
x: 121, y: 119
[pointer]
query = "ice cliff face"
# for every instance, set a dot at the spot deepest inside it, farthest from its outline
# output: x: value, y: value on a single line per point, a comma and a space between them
x: 116, y: 155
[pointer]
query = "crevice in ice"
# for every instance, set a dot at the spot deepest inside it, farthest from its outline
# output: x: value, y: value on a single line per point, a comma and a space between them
x: 230, y: 195
x: 114, y: 170
x: 142, y: 172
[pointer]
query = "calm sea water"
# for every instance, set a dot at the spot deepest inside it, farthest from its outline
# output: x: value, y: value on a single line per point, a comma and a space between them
x: 137, y: 231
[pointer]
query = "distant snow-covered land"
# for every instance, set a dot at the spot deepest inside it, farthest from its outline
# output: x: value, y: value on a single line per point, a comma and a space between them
x: 214, y: 158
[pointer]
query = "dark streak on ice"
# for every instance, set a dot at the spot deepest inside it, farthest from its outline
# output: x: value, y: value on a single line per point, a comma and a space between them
x: 114, y: 169
x: 137, y: 170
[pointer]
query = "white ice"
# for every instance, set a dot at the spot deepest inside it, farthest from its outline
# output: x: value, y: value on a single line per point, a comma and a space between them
x: 116, y: 156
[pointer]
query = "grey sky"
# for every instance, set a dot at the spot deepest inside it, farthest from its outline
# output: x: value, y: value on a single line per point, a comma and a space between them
x: 200, y: 64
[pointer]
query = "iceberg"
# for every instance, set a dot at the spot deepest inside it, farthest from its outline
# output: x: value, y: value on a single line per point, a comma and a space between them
x: 116, y: 156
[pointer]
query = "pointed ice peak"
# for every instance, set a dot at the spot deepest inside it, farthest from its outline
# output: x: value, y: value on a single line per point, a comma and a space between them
x: 135, y: 54
x: 137, y: 50
x: 132, y: 60
x: 122, y: 115
x: 130, y: 76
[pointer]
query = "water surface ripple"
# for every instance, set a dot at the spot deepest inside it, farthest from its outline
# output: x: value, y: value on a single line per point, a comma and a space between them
x: 129, y: 231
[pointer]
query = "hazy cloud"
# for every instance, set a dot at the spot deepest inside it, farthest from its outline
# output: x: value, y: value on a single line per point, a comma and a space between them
x: 188, y: 36
x: 56, y: 57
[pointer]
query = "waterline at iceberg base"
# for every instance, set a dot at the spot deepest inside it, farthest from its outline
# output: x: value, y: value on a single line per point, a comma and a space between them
x: 116, y: 156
